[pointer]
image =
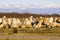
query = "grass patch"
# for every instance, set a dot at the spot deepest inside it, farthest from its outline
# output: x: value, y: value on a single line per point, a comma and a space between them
x: 35, y: 31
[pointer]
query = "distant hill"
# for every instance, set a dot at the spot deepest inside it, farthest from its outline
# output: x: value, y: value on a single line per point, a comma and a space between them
x: 32, y: 10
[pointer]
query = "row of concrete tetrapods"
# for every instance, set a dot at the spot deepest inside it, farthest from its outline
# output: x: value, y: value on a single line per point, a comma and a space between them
x: 28, y: 22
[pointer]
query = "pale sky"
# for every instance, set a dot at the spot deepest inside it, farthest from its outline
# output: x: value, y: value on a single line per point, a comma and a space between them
x: 30, y: 3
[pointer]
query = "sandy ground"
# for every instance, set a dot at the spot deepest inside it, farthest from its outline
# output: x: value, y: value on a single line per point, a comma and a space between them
x: 30, y: 37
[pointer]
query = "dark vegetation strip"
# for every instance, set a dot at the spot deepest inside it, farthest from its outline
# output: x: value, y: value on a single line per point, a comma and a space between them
x: 23, y: 15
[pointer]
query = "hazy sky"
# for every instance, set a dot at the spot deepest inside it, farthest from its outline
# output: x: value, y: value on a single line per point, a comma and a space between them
x: 30, y: 3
